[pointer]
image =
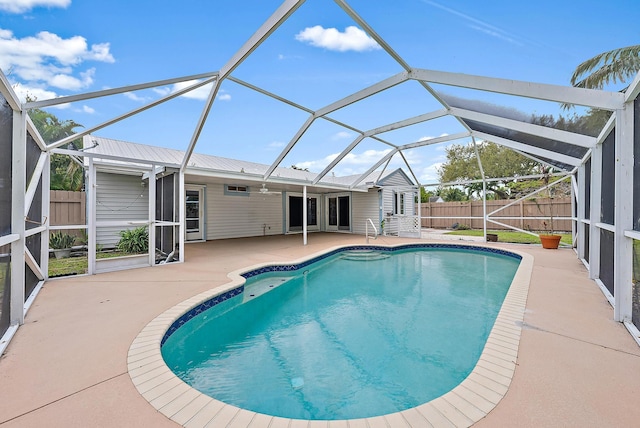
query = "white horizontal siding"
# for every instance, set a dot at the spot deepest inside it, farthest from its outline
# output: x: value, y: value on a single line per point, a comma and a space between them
x: 119, y: 198
x: 365, y: 205
x: 242, y: 216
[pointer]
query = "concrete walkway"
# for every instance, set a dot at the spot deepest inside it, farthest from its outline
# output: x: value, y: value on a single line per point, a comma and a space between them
x: 66, y: 367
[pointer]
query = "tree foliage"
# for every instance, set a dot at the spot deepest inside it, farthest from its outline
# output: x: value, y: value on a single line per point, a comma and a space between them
x: 497, y: 161
x: 66, y: 174
x: 617, y: 65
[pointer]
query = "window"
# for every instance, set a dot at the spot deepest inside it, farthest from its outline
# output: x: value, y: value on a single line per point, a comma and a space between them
x: 236, y: 190
x: 398, y: 203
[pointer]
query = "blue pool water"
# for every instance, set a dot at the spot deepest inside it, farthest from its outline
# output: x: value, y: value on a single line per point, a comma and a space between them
x: 345, y: 338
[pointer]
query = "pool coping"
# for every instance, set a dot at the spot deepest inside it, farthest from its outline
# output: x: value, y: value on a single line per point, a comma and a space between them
x: 466, y: 404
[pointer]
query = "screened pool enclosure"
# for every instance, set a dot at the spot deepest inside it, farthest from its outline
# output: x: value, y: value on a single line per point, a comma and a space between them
x: 602, y: 168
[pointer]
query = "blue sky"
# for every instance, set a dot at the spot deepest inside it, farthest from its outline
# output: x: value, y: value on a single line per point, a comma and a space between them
x: 51, y: 48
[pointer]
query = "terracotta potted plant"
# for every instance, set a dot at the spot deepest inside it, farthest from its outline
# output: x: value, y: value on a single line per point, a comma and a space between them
x: 549, y: 239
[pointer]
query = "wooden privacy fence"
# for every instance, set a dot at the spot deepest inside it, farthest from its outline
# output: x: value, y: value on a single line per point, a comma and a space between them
x: 459, y: 212
x: 67, y: 208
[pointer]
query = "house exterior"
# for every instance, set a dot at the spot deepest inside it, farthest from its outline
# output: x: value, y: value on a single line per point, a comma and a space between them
x: 227, y: 198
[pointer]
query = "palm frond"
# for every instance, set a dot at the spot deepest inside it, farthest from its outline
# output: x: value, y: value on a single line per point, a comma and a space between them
x: 614, y: 66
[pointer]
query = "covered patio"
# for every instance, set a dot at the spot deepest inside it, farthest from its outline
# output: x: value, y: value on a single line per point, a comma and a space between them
x: 67, y: 366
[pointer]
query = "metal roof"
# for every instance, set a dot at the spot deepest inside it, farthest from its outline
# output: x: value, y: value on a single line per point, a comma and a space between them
x: 122, y: 153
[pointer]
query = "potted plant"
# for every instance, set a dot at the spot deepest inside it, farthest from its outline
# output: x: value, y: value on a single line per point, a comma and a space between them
x: 550, y: 239
x: 61, y: 244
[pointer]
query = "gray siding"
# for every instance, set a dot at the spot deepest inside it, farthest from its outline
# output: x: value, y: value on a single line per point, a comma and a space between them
x: 241, y: 216
x: 119, y: 198
x: 365, y: 205
x: 396, y: 178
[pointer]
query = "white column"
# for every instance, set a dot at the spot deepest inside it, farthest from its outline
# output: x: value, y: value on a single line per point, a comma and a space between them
x: 46, y: 213
x: 152, y: 216
x: 419, y: 212
x: 484, y: 208
x: 582, y: 227
x: 623, y: 245
x: 18, y: 190
x: 304, y: 215
x: 181, y: 210
x: 91, y: 191
x: 573, y: 210
x: 594, y: 212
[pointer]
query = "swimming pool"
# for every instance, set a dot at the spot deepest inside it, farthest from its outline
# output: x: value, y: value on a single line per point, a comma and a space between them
x: 346, y: 348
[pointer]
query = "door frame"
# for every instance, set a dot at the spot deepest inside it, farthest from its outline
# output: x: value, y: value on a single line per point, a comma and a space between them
x: 310, y: 228
x: 200, y: 235
x: 337, y: 226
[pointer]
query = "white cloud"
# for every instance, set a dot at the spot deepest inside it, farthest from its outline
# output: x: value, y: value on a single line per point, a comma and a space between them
x: 88, y: 110
x: 135, y: 97
x: 283, y: 57
x: 38, y: 93
x: 275, y: 145
x: 352, y: 39
x: 201, y: 93
x: 341, y: 135
x: 49, y: 60
x: 350, y: 164
x: 21, y: 6
x: 429, y: 174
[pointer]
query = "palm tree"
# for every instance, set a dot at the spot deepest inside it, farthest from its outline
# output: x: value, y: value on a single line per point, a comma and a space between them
x: 613, y: 66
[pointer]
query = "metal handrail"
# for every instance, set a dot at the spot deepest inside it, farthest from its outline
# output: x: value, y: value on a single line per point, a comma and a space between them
x: 366, y: 230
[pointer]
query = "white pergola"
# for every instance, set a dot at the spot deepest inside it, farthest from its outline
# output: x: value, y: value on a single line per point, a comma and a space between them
x: 570, y: 153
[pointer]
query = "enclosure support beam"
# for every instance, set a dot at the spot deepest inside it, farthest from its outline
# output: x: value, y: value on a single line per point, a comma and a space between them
x: 484, y: 188
x: 92, y: 201
x: 46, y: 208
x: 18, y: 181
x: 304, y: 215
x: 623, y: 245
x: 182, y: 213
x: 582, y: 227
x: 563, y: 94
x: 152, y: 216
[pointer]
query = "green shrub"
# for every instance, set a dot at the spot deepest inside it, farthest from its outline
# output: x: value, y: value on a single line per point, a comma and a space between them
x: 60, y: 241
x: 134, y: 240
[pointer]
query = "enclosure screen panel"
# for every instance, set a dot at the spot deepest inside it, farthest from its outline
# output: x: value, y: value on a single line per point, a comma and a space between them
x: 5, y: 287
x: 587, y: 190
x: 607, y: 208
x: 6, y: 135
x: 636, y: 164
x: 30, y: 282
x: 606, y: 259
x: 635, y: 310
x: 586, y: 243
x: 532, y: 140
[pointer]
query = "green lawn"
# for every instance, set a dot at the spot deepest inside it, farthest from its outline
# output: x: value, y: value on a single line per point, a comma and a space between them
x: 76, y: 265
x: 511, y: 236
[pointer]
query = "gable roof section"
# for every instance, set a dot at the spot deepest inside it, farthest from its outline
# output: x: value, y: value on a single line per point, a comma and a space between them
x: 202, y: 164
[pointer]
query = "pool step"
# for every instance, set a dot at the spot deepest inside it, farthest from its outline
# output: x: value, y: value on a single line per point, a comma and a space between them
x: 364, y: 255
x: 262, y: 286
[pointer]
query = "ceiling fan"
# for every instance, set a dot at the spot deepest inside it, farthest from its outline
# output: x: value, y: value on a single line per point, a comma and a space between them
x: 265, y: 191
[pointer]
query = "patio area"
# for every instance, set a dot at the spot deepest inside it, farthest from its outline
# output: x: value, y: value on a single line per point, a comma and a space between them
x: 67, y: 365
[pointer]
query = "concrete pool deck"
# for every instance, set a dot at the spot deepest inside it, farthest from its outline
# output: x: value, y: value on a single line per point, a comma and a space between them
x: 67, y: 366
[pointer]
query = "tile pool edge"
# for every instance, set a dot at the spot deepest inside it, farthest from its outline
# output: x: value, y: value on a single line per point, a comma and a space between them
x: 464, y: 405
